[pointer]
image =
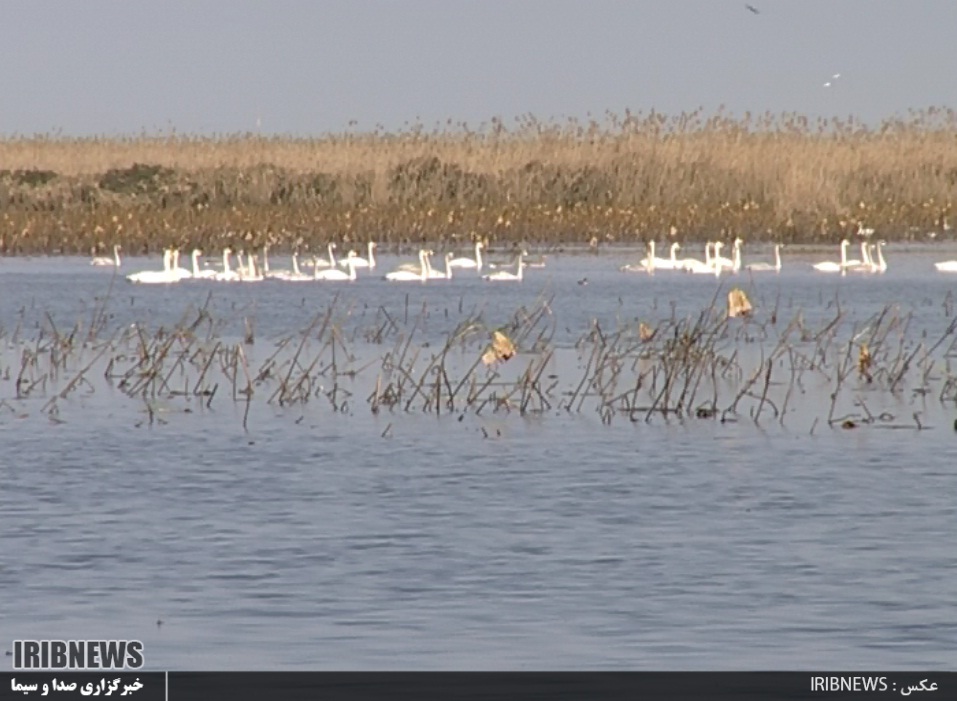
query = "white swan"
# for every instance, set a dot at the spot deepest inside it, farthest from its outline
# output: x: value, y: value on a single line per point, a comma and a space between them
x: 294, y: 275
x: 667, y: 263
x: 650, y: 261
x: 719, y: 260
x: 423, y: 262
x: 504, y: 275
x: 153, y: 277
x: 693, y: 265
x: 359, y: 262
x: 406, y: 275
x: 868, y: 265
x: 645, y: 265
x: 734, y: 263
x: 241, y: 264
x: 639, y: 267
x: 270, y: 274
x: 768, y: 267
x: 331, y: 262
x: 333, y: 274
x: 438, y: 275
x: 881, y: 265
x: 252, y: 273
x: 472, y: 263
x: 105, y: 260
x: 198, y: 273
x: 247, y: 268
x: 226, y: 274
x: 175, y: 269
x: 828, y: 266
x: 946, y: 266
x: 863, y: 264
x: 736, y: 257
x: 267, y: 272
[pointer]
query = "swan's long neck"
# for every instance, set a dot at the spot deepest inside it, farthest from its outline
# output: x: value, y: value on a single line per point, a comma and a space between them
x: 521, y: 266
x: 295, y: 263
x: 116, y: 255
x: 736, y: 263
x: 332, y: 256
x: 478, y: 255
x: 708, y: 260
x: 674, y: 253
x: 371, y: 254
x: 226, y: 261
x: 266, y: 259
x: 777, y: 256
x: 448, y: 268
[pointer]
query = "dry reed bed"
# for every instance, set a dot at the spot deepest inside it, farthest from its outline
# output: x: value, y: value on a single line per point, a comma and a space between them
x: 628, y: 178
x: 705, y: 367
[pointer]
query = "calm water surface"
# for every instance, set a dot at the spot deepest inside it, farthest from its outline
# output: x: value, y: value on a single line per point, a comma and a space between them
x: 313, y: 541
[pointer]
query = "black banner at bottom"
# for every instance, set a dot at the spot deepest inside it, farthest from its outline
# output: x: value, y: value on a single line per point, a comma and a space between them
x: 538, y: 686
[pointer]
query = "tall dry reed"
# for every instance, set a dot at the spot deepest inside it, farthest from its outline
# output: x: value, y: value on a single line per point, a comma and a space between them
x: 773, y: 177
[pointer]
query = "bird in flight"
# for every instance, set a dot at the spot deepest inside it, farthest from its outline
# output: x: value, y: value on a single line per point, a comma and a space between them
x: 753, y: 9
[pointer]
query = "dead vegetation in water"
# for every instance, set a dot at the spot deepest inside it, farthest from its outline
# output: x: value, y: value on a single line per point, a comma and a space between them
x: 706, y: 367
x: 619, y: 180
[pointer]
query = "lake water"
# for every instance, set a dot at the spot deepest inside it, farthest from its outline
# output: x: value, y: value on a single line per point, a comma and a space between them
x: 325, y: 539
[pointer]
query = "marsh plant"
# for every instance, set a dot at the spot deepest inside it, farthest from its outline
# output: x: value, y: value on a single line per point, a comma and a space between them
x: 705, y: 366
x: 620, y: 179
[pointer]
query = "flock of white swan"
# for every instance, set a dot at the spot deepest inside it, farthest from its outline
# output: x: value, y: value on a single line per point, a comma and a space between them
x: 871, y: 261
x: 249, y: 269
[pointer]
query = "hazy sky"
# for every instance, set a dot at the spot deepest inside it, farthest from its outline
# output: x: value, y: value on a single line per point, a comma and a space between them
x: 307, y: 67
